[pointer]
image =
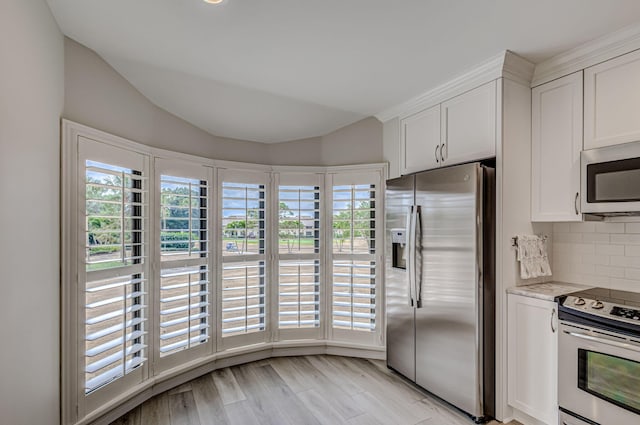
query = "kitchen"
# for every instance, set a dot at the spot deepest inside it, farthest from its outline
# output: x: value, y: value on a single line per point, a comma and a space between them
x: 79, y: 86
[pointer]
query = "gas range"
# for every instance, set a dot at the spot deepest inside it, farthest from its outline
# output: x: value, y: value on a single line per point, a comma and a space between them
x: 607, y: 307
x: 599, y: 357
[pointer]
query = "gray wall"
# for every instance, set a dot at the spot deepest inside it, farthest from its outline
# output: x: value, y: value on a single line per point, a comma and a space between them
x: 98, y: 96
x: 31, y: 101
x: 358, y: 143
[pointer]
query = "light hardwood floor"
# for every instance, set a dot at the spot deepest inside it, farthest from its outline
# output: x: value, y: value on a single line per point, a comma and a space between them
x: 313, y: 390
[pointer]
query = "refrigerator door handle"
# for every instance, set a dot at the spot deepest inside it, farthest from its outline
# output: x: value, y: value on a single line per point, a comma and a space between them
x: 410, y: 257
x: 417, y: 249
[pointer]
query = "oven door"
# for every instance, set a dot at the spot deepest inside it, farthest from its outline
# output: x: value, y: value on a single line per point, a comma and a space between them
x: 599, y: 374
x: 611, y: 180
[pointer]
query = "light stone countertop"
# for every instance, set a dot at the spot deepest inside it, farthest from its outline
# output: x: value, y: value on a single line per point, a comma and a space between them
x: 548, y: 291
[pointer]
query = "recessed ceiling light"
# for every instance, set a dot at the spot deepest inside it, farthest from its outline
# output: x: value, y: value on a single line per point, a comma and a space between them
x: 213, y: 1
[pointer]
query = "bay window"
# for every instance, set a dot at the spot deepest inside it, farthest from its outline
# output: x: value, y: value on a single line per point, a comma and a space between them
x: 172, y: 261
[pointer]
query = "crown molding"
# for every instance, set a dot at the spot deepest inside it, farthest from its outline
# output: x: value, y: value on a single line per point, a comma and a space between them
x: 505, y: 64
x: 591, y: 53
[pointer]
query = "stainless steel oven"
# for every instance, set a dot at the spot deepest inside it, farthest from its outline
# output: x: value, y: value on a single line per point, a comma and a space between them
x: 611, y: 180
x: 599, y: 361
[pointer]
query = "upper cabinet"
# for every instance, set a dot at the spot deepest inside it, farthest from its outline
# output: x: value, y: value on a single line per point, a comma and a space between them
x: 612, y: 102
x: 458, y: 130
x: 420, y: 141
x: 556, y: 142
x: 469, y: 126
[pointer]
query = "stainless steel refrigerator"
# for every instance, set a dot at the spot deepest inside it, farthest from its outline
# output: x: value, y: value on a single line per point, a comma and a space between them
x: 439, y: 278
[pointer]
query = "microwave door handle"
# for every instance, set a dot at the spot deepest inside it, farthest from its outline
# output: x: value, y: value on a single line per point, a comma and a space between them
x: 625, y: 345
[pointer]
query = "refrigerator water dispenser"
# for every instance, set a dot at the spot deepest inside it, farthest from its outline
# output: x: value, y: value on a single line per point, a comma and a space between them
x: 399, y: 246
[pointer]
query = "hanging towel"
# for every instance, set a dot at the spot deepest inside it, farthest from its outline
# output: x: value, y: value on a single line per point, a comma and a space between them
x: 532, y: 254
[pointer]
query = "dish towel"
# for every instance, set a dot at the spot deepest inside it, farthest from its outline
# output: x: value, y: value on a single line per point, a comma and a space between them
x: 532, y: 254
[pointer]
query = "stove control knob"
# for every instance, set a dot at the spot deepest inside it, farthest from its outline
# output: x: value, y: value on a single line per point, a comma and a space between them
x: 597, y: 305
x: 579, y: 301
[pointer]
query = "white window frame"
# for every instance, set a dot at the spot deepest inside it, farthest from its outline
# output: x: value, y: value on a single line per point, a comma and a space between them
x: 297, y: 179
x: 191, y: 170
x: 356, y: 177
x: 76, y: 404
x: 244, y: 177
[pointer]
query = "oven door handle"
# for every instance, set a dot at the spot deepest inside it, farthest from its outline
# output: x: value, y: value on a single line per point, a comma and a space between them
x: 628, y: 346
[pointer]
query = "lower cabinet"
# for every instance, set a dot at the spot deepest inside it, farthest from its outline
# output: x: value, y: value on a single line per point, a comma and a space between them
x: 533, y: 357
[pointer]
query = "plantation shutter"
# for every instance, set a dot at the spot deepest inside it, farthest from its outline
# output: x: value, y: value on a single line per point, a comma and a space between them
x: 244, y: 266
x: 355, y: 257
x: 183, y: 241
x: 113, y: 282
x: 299, y: 255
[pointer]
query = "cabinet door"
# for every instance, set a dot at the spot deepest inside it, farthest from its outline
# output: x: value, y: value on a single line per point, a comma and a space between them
x: 556, y: 142
x: 612, y: 102
x: 420, y: 141
x: 532, y: 364
x: 469, y: 125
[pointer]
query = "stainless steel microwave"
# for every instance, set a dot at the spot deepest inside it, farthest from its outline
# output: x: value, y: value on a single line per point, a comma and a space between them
x: 611, y: 180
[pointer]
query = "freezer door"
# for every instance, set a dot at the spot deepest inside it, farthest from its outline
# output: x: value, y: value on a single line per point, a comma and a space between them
x: 400, y: 313
x: 448, y: 362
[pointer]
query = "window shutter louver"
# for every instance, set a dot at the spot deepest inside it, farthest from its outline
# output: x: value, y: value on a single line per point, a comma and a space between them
x: 115, y: 284
x: 244, y: 263
x: 184, y: 277
x: 299, y: 256
x: 354, y: 261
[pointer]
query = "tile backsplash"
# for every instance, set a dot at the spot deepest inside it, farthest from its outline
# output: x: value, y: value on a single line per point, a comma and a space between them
x: 605, y: 254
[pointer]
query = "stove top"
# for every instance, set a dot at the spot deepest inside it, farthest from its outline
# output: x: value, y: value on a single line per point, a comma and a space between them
x: 606, y: 304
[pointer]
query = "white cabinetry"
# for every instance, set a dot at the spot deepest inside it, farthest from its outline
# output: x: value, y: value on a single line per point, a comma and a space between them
x: 555, y: 152
x: 532, y: 364
x: 420, y: 141
x: 469, y: 125
x: 612, y: 102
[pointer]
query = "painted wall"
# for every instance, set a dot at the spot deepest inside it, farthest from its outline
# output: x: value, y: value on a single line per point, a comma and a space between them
x: 97, y: 96
x: 358, y: 143
x: 31, y: 102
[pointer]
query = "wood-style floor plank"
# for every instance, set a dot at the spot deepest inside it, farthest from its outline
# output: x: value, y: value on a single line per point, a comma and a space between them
x: 208, y: 401
x: 155, y: 411
x: 260, y: 400
x: 228, y: 388
x: 183, y: 409
x: 309, y: 390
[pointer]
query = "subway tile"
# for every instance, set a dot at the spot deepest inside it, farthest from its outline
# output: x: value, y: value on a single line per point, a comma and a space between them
x: 611, y: 271
x: 609, y: 227
x: 584, y: 227
x: 632, y: 227
x: 575, y: 248
x: 631, y: 238
x: 632, y: 251
x: 609, y: 249
x: 594, y: 237
x: 621, y: 261
x: 631, y: 274
x: 561, y: 228
x: 602, y: 260
x: 625, y: 284
x: 569, y: 237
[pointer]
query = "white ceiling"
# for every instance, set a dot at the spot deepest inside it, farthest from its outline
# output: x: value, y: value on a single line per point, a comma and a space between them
x: 279, y: 70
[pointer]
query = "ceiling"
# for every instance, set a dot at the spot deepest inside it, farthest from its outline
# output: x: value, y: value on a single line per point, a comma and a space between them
x: 280, y: 70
